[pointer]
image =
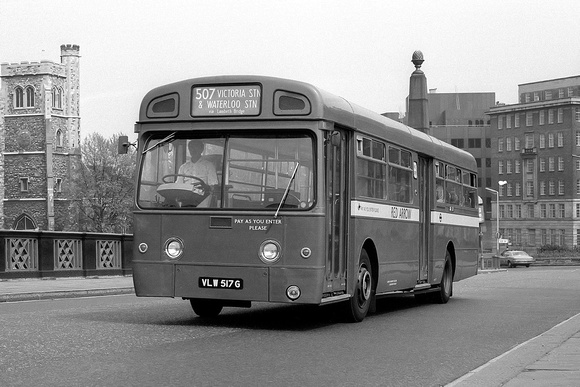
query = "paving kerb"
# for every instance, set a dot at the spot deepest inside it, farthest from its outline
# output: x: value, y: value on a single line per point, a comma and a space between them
x: 553, y: 349
x: 52, y: 288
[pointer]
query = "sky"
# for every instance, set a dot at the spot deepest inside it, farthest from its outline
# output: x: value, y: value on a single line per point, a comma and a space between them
x: 360, y: 50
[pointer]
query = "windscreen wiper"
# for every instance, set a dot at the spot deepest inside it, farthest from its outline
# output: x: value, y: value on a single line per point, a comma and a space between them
x: 169, y: 138
x: 287, y: 190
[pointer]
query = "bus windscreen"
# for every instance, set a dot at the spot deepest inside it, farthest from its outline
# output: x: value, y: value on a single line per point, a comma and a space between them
x: 230, y: 171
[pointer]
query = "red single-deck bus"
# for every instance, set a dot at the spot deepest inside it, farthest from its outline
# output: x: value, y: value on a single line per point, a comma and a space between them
x: 262, y: 189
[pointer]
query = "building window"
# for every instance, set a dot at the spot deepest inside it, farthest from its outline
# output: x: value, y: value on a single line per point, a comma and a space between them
x: 517, y: 120
x: 531, y: 211
x: 570, y: 92
x: 551, y: 164
x: 530, y: 166
x: 560, y: 187
x: 509, y: 190
x: 561, y: 211
x: 24, y: 184
x: 536, y: 96
x: 508, y: 166
x: 500, y: 190
x: 560, y: 163
x: 560, y: 115
x: 542, y: 210
x: 510, y: 211
x: 500, y: 167
x: 500, y: 144
x: 24, y: 222
x: 518, y: 213
x: 501, y: 211
x: 550, y: 140
x: 527, y: 97
x: 548, y: 94
x: 542, y: 164
x: 474, y: 143
x: 529, y: 140
x: 542, y: 140
x: 529, y: 119
x: 531, y: 237
x: 542, y: 117
x: 542, y: 188
x: 552, y: 213
x: 560, y: 139
x: 578, y: 210
x: 518, y: 165
x: 500, y: 122
x: 550, y: 116
x: 29, y: 96
x: 18, y: 97
x: 578, y: 138
x: 578, y: 165
x: 488, y: 143
x: 508, y: 144
x: 508, y: 122
x: 552, y: 187
x: 59, y: 140
x: 529, y: 188
x: 562, y: 239
x: 544, y: 236
x: 57, y: 97
x: 560, y: 93
x: 578, y: 186
x: 516, y: 143
x: 518, y: 189
x: 577, y: 115
x: 487, y: 162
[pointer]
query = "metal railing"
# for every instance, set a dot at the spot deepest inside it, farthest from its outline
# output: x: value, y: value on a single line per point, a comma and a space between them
x: 64, y: 254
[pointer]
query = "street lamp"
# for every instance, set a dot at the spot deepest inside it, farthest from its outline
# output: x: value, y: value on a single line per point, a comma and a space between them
x: 501, y: 183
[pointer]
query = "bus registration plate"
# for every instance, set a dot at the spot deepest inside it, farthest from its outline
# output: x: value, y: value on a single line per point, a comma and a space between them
x: 221, y: 283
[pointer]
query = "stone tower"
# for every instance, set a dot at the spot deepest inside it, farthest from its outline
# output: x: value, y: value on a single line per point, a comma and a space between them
x: 39, y: 141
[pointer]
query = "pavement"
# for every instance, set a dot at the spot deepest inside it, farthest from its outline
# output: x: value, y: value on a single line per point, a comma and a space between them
x: 549, y: 359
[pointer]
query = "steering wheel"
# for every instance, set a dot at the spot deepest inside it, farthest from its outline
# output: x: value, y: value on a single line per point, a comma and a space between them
x: 198, y: 183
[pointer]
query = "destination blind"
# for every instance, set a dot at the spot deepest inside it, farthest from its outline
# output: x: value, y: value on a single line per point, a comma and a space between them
x: 238, y: 100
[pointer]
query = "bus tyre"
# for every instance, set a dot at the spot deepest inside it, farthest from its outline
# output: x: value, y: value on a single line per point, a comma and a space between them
x: 205, y: 308
x: 446, y: 287
x: 361, y: 300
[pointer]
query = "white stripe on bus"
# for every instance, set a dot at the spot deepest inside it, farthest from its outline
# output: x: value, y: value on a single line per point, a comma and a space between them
x: 383, y: 211
x: 438, y: 217
x: 387, y: 211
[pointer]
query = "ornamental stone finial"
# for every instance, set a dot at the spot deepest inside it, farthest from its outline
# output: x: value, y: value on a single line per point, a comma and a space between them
x: 417, y: 59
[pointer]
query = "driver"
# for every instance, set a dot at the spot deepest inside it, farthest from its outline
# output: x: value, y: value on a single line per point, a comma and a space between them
x: 198, y: 167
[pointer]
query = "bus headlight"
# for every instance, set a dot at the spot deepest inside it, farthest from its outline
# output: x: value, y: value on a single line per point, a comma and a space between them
x: 269, y: 251
x: 173, y: 248
x: 293, y: 292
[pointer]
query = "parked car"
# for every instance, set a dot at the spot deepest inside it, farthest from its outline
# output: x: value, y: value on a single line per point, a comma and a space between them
x: 513, y: 258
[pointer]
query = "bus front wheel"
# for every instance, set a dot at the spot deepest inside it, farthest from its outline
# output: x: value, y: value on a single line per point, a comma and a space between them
x: 360, y: 301
x: 205, y: 308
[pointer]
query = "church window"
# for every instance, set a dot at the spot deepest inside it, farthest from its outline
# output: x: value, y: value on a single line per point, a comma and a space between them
x: 18, y: 97
x: 29, y: 91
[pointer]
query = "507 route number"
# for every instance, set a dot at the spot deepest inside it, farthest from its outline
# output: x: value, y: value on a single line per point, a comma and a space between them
x: 221, y: 283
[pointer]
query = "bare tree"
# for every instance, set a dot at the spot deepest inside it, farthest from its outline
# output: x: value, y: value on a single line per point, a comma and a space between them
x: 104, y: 186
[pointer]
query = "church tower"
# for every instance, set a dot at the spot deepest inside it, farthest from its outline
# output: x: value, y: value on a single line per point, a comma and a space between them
x: 39, y: 141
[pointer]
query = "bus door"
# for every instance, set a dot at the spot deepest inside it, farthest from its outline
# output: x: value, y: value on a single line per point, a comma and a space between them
x: 336, y: 211
x: 424, y: 217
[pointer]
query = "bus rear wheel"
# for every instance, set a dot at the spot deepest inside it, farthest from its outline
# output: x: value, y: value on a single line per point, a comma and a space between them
x: 205, y: 308
x: 446, y: 286
x: 359, y: 303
